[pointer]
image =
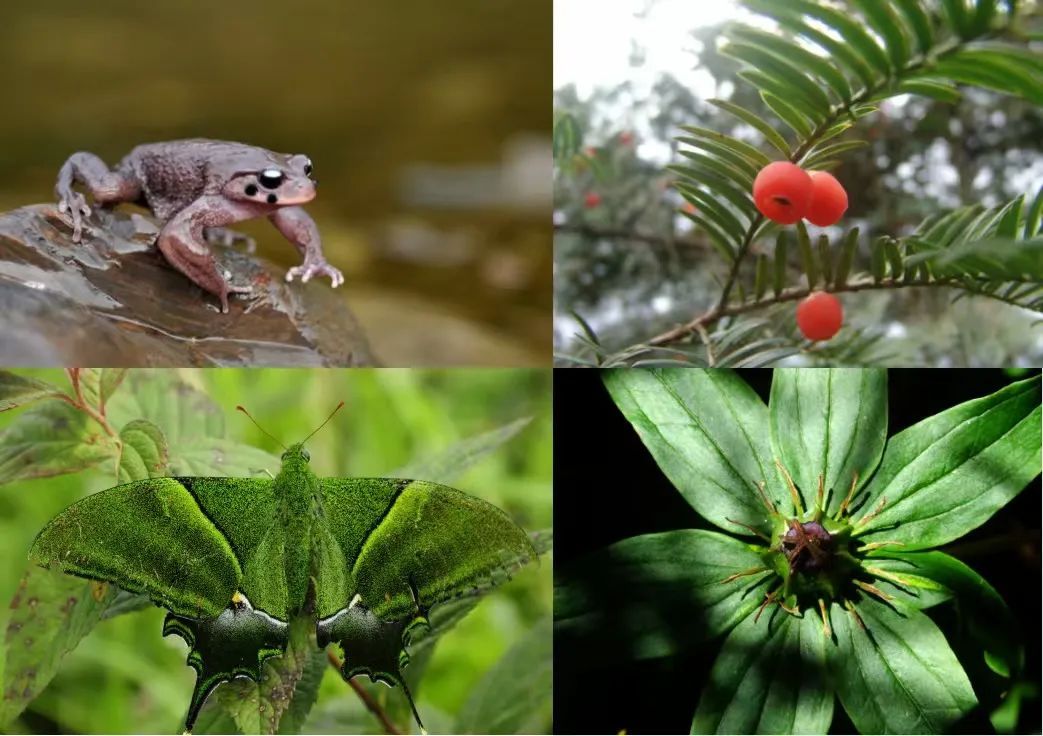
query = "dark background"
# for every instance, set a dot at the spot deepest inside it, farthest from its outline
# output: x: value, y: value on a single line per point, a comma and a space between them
x: 608, y: 488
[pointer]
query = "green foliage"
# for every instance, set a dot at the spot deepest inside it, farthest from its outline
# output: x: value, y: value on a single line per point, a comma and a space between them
x: 818, y: 70
x: 797, y: 634
x: 177, y: 426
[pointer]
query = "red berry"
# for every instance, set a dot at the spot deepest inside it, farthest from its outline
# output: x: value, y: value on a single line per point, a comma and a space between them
x: 782, y: 191
x: 828, y: 199
x: 819, y: 316
x: 592, y: 200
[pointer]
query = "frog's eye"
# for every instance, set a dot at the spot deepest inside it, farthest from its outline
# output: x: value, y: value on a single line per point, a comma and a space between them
x: 270, y: 178
x: 307, y: 168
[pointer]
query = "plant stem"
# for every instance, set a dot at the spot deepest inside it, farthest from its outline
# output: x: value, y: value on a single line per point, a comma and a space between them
x: 796, y: 293
x: 371, y: 705
x: 80, y: 403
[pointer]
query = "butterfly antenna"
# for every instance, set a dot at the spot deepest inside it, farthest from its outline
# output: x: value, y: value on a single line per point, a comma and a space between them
x: 263, y: 430
x: 339, y: 407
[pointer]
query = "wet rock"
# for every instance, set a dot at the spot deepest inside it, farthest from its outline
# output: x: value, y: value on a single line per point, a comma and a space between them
x: 112, y: 300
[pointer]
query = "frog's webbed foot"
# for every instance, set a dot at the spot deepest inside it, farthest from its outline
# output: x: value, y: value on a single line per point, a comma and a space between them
x: 229, y: 238
x: 72, y: 207
x: 310, y: 269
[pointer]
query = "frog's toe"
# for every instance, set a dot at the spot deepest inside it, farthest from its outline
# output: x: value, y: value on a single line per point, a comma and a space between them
x: 72, y: 210
x: 307, y: 272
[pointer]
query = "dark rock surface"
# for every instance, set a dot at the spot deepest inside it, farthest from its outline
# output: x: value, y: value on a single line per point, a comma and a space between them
x: 112, y: 300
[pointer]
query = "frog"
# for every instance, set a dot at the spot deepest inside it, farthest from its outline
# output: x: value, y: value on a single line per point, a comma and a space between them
x: 195, y: 188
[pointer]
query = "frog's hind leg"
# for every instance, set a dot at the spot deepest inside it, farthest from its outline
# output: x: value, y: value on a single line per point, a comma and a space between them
x: 106, y: 187
x: 182, y: 243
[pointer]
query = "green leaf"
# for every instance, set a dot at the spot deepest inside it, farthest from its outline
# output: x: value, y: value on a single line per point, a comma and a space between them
x: 933, y: 89
x: 807, y: 257
x: 825, y: 258
x: 883, y: 20
x: 51, y: 439
x: 784, y: 73
x: 810, y: 63
x: 193, y: 424
x: 747, y: 152
x: 948, y: 474
x: 779, y: 275
x: 289, y: 685
x: 144, y: 454
x: 567, y: 138
x: 898, y: 674
x: 818, y: 156
x: 756, y: 121
x: 789, y: 18
x: 916, y: 18
x: 455, y: 460
x: 707, y: 430
x: 50, y: 613
x: 878, y: 264
x: 515, y: 695
x: 830, y: 421
x: 18, y: 390
x: 761, y: 282
x: 770, y: 677
x: 850, y: 30
x: 788, y: 114
x: 847, y: 258
x: 956, y: 10
x: 655, y: 595
x: 988, y: 621
x: 111, y: 379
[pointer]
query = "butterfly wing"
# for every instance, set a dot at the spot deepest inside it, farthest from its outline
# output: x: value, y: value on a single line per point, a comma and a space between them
x: 185, y: 543
x: 408, y: 546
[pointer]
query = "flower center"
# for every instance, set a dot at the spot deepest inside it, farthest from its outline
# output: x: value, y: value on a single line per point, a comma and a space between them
x: 807, y: 546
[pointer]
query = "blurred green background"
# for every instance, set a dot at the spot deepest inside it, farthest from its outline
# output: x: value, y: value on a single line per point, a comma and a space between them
x: 428, y: 124
x: 124, y: 677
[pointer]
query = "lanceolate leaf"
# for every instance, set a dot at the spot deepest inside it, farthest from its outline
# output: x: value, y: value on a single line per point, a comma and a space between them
x: 770, y: 677
x: 50, y: 613
x: 18, y: 390
x: 948, y: 474
x: 829, y: 421
x: 984, y: 613
x: 655, y: 595
x: 898, y: 674
x: 707, y: 431
x: 51, y: 439
x: 515, y: 695
x: 448, y: 465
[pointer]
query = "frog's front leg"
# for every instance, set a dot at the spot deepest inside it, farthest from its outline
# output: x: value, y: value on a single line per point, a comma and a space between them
x: 182, y: 242
x: 106, y: 187
x: 298, y: 227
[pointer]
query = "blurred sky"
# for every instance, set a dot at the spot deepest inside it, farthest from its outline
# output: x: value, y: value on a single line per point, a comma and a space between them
x: 593, y: 41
